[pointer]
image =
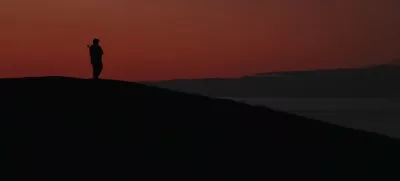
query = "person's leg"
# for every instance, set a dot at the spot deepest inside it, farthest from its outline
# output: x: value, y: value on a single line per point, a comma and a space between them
x: 97, y: 68
x: 94, y: 69
x: 100, y: 69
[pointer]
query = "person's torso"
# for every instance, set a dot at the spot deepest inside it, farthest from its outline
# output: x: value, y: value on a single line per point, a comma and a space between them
x: 95, y: 51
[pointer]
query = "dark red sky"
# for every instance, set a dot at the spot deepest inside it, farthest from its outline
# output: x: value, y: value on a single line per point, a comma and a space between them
x: 159, y: 39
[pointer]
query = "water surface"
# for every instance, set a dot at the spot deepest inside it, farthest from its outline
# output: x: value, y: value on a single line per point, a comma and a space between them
x: 372, y: 114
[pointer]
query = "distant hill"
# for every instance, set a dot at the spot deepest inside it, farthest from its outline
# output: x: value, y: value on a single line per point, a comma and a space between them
x: 55, y: 128
x: 368, y: 82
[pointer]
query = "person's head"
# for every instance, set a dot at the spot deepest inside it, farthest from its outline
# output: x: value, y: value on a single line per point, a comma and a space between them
x: 96, y: 41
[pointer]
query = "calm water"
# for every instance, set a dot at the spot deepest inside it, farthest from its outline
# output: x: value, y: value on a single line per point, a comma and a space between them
x: 376, y: 115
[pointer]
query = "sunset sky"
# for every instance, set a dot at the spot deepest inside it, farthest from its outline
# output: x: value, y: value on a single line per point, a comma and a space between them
x: 169, y: 39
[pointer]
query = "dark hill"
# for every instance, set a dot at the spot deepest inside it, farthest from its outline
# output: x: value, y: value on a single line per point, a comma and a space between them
x: 56, y: 128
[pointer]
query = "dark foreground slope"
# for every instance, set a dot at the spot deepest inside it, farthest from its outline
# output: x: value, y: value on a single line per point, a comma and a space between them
x: 73, y: 129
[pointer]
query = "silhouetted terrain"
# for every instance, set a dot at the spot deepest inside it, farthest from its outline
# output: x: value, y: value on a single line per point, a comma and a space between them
x: 56, y: 128
x: 373, y: 81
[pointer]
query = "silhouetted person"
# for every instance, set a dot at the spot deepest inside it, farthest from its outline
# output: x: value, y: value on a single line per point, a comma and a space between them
x: 96, y: 54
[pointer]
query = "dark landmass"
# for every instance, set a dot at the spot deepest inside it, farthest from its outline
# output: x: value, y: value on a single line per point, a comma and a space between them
x: 56, y: 128
x: 378, y: 81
